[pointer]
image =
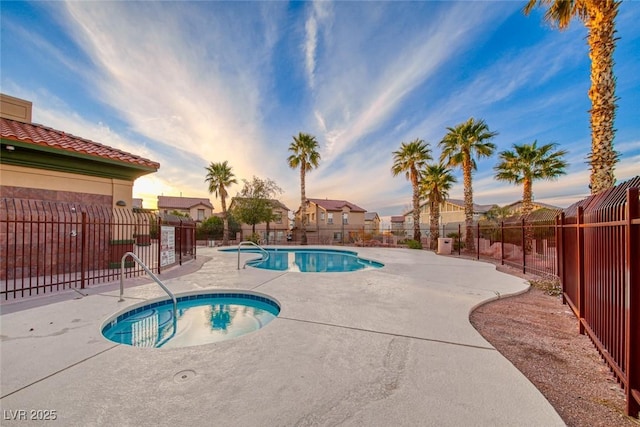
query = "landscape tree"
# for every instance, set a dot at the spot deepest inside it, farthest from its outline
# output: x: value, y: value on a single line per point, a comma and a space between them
x: 213, y: 227
x: 599, y: 17
x: 254, y: 204
x: 497, y: 214
x: 304, y: 155
x: 435, y: 184
x: 527, y: 163
x: 460, y: 146
x: 220, y: 178
x: 410, y: 159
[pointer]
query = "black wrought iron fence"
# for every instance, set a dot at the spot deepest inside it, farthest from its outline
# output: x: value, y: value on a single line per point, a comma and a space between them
x: 52, y: 246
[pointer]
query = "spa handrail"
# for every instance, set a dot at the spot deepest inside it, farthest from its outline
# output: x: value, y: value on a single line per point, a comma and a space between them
x: 249, y: 242
x: 150, y: 273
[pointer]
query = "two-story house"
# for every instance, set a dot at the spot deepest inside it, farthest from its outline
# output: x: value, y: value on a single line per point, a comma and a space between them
x: 195, y: 208
x: 331, y: 221
x: 451, y: 214
x: 372, y: 223
x: 397, y: 225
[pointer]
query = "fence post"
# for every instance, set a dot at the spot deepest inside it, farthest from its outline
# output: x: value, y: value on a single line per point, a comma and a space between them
x: 459, y: 239
x: 502, y: 242
x: 560, y: 253
x: 83, y: 248
x: 478, y: 242
x: 632, y: 307
x: 524, y: 249
x: 580, y: 268
x: 159, y: 249
x: 181, y: 238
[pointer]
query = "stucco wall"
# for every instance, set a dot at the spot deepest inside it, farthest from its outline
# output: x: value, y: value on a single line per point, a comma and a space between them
x: 23, y: 180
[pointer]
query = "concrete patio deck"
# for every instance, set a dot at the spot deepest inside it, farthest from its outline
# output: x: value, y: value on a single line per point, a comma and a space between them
x: 389, y: 346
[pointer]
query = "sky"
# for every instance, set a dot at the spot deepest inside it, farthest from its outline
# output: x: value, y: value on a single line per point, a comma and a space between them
x: 190, y: 83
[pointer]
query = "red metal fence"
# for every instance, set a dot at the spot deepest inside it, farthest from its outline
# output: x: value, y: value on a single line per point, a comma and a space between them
x: 52, y: 246
x: 528, y: 243
x: 599, y: 266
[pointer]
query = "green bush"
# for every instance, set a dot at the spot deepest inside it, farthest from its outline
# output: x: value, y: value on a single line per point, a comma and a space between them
x: 255, y: 238
x: 414, y: 244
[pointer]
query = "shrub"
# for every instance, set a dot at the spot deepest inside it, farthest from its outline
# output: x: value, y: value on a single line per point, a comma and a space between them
x: 550, y: 285
x: 457, y: 242
x: 254, y: 237
x: 414, y: 244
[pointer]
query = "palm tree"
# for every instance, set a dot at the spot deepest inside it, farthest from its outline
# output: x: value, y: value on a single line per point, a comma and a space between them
x: 410, y: 159
x: 305, y: 156
x: 599, y: 18
x: 497, y: 213
x: 459, y: 147
x: 435, y: 184
x: 528, y: 163
x: 220, y: 177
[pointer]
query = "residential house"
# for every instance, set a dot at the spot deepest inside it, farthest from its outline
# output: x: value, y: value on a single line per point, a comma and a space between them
x: 331, y: 221
x: 273, y: 232
x: 195, y: 208
x: 451, y: 215
x: 136, y: 203
x: 397, y: 225
x: 516, y: 207
x: 372, y: 223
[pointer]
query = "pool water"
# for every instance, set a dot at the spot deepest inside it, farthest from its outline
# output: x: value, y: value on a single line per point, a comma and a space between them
x: 311, y: 260
x: 200, y: 319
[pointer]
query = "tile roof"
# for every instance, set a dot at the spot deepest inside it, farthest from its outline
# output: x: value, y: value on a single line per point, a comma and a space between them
x: 182, y: 202
x: 336, y: 205
x: 397, y: 218
x: 47, y: 137
x: 539, y: 204
x: 476, y: 207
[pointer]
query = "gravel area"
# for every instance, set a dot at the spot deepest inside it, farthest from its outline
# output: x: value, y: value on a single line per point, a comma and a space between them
x: 539, y: 335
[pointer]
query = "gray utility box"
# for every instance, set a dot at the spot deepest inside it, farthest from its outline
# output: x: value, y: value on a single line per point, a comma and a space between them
x: 444, y: 246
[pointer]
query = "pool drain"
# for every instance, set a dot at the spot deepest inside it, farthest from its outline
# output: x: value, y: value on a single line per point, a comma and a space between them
x: 184, y: 376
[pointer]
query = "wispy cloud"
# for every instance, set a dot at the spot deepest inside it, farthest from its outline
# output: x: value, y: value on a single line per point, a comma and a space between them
x: 189, y: 83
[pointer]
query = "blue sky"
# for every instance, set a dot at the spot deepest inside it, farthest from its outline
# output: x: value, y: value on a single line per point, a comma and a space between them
x: 189, y: 83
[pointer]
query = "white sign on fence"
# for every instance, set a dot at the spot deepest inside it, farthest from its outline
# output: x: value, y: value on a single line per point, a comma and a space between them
x: 167, y: 246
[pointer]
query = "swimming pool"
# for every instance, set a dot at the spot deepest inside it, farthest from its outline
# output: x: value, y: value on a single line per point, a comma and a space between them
x: 200, y: 318
x: 309, y: 260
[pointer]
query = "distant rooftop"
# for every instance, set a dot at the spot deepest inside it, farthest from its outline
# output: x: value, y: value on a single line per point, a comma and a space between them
x: 336, y: 205
x: 182, y: 202
x: 370, y: 216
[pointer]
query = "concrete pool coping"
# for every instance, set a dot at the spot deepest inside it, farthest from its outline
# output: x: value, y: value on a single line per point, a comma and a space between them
x: 374, y: 347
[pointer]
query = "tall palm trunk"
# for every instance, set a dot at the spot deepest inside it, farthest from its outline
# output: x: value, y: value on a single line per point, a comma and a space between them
x: 468, y: 205
x: 303, y: 206
x: 434, y: 208
x: 527, y: 207
x: 527, y: 196
x: 602, y: 93
x: 225, y: 222
x: 416, y: 204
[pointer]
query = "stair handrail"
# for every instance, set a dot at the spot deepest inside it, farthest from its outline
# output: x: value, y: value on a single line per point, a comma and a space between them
x: 150, y: 273
x: 249, y: 242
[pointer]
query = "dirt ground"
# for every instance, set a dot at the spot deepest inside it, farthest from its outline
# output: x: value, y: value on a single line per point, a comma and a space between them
x: 539, y: 335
